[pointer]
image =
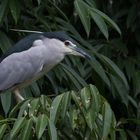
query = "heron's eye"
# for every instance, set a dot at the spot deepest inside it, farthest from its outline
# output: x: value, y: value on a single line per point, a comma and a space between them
x: 67, y: 43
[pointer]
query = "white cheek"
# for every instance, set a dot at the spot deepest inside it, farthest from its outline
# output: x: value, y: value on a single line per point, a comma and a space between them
x: 67, y: 50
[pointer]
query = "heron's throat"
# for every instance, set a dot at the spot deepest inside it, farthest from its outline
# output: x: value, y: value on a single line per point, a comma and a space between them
x: 53, y: 60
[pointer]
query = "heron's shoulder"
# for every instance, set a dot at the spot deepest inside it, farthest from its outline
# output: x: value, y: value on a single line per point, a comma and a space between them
x: 22, y: 45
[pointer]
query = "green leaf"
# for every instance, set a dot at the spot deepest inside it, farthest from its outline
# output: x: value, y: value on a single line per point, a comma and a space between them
x: 3, y: 9
x: 73, y: 79
x: 24, y: 107
x: 86, y: 97
x: 96, y: 98
x: 18, y: 125
x: 133, y: 101
x: 27, y: 130
x: 123, y: 135
x: 83, y: 12
x: 58, y: 9
x: 91, y: 3
x: 114, y: 69
x: 2, y: 130
x: 129, y: 68
x: 55, y: 108
x: 79, y: 79
x: 113, y: 128
x: 5, y: 42
x: 108, y: 20
x: 33, y: 107
x: 7, y: 120
x: 107, y: 120
x: 41, y: 124
x: 65, y: 104
x: 45, y: 102
x: 50, y: 76
x: 120, y: 88
x: 6, y: 101
x: 78, y: 102
x: 15, y: 9
x: 35, y: 89
x: 86, y: 115
x: 73, y: 117
x: 100, y: 71
x: 93, y: 111
x: 13, y: 112
x: 89, y: 104
x: 52, y: 131
x: 100, y: 23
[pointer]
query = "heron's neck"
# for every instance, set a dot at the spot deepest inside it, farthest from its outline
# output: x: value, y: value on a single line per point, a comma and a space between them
x: 52, y: 58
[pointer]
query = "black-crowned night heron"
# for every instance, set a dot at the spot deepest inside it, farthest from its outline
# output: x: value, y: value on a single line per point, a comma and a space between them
x: 33, y: 56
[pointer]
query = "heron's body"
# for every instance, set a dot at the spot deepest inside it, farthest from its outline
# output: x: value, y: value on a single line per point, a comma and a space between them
x: 33, y: 56
x: 26, y: 64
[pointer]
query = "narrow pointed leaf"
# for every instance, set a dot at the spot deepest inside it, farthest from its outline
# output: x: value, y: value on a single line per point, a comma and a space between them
x: 107, y: 120
x: 2, y: 130
x: 94, y: 107
x: 13, y: 112
x: 41, y: 124
x: 120, y: 88
x: 3, y: 9
x: 114, y: 68
x: 108, y: 20
x: 85, y: 97
x: 55, y: 108
x: 6, y: 101
x: 82, y: 10
x: 35, y: 89
x: 73, y: 79
x: 52, y: 131
x: 33, y: 107
x: 5, y: 42
x: 96, y: 98
x: 65, y: 104
x: 113, y: 128
x: 79, y: 79
x: 17, y: 126
x: 27, y: 130
x: 15, y: 9
x: 100, y: 23
x: 24, y: 107
x: 100, y: 71
x: 123, y: 135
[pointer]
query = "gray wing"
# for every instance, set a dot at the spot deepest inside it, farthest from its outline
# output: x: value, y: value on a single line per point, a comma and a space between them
x: 20, y: 67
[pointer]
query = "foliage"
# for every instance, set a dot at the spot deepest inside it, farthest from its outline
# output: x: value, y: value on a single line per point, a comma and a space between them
x: 88, y: 22
x: 71, y: 115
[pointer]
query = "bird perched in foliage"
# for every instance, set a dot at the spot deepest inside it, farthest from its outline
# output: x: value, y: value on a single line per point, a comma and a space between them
x: 33, y: 56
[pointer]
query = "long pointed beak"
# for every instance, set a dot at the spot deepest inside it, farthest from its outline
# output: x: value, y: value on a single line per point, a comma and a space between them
x: 79, y: 52
x: 82, y: 53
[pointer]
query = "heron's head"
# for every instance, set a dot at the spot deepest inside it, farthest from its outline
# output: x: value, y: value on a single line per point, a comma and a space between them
x: 72, y: 48
x: 64, y: 44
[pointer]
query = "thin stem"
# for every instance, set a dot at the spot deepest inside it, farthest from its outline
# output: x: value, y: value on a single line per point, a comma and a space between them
x: 18, y: 97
